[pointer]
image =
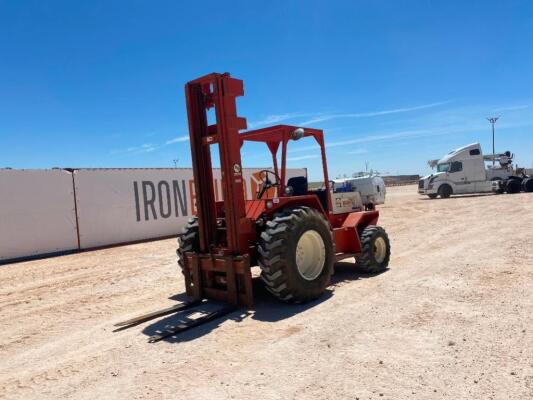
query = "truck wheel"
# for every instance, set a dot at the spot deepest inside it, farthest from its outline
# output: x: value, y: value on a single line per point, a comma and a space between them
x: 433, y: 195
x: 375, y: 250
x: 445, y: 191
x: 189, y: 241
x: 513, y: 186
x: 296, y: 255
x: 527, y: 185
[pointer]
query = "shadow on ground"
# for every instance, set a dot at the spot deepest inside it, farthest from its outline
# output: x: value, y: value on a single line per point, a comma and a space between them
x: 266, y: 308
x: 458, y: 196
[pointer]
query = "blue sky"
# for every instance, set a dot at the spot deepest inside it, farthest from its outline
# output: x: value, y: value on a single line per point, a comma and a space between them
x: 392, y: 83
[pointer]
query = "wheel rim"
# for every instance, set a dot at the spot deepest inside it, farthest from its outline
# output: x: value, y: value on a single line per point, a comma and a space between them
x: 380, y: 250
x: 310, y: 255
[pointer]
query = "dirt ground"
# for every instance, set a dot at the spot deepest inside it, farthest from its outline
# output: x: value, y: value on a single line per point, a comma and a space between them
x: 451, y: 319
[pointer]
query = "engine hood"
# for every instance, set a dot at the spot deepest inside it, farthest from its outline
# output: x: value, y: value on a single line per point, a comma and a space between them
x: 434, y: 176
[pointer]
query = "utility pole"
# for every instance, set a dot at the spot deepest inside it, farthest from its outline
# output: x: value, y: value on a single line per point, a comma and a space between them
x: 366, y: 166
x: 493, y: 120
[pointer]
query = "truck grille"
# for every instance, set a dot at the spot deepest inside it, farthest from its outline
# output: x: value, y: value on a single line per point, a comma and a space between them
x: 421, y: 184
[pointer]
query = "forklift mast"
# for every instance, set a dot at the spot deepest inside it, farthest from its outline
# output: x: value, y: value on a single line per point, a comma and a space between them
x: 218, y: 91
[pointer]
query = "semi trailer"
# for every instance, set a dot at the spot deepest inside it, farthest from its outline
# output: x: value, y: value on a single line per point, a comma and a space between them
x: 466, y: 170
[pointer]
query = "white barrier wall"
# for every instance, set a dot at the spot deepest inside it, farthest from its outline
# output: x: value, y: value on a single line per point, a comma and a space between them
x: 125, y: 205
x: 36, y: 213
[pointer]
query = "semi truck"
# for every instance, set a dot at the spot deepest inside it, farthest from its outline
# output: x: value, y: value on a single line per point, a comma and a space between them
x: 466, y: 170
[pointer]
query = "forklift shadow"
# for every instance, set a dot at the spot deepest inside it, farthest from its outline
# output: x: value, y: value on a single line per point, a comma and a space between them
x: 266, y: 307
x: 346, y: 271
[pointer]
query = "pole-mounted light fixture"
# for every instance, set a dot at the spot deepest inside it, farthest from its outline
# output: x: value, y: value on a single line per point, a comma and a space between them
x: 493, y: 120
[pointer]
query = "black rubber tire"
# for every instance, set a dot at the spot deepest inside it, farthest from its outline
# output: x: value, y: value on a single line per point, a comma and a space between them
x: 277, y: 255
x: 189, y: 241
x: 527, y: 185
x: 433, y: 196
x: 367, y: 261
x: 513, y: 186
x: 445, y: 191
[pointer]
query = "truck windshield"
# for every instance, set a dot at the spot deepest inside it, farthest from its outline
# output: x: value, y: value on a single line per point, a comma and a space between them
x: 443, y: 167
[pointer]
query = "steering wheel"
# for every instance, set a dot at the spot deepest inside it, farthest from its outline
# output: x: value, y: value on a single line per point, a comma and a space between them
x: 267, y: 183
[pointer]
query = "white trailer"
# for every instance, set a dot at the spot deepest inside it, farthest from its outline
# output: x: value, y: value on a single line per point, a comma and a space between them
x: 354, y: 194
x: 464, y: 171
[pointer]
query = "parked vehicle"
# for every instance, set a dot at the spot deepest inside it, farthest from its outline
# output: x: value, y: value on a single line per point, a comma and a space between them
x: 465, y: 171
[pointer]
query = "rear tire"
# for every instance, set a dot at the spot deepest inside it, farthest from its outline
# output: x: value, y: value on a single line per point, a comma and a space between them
x: 513, y: 186
x: 527, y: 185
x: 375, y: 250
x: 296, y: 255
x: 189, y: 241
x: 445, y: 191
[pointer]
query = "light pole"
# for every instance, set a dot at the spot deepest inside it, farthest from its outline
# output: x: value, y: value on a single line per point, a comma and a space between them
x: 493, y: 120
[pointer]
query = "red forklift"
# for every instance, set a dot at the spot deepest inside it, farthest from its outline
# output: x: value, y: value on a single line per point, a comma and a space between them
x: 294, y: 233
x: 295, y: 237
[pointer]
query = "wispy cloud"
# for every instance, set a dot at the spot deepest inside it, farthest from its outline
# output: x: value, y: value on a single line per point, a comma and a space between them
x: 394, y: 136
x: 146, y: 148
x: 412, y: 134
x: 178, y: 139
x: 512, y: 108
x: 275, y: 118
x: 358, y: 151
x: 303, y: 157
x: 149, y: 147
x: 385, y: 136
x: 143, y: 148
x: 326, y: 117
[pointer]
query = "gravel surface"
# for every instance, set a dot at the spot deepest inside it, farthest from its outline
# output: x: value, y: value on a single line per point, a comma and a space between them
x: 450, y: 319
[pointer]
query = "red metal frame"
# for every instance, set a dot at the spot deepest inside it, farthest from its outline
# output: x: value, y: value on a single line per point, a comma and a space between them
x: 227, y: 230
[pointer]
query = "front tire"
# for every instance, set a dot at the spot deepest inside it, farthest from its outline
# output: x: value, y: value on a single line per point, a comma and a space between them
x: 296, y: 255
x: 445, y: 191
x: 375, y: 250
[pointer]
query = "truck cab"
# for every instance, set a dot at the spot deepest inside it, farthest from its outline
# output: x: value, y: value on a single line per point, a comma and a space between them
x: 463, y: 171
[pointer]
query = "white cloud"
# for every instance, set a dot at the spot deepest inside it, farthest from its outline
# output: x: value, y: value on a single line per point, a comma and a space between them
x: 512, y: 108
x: 179, y: 139
x: 149, y: 147
x: 326, y: 117
x: 275, y: 118
x: 395, y: 136
x: 146, y: 148
x: 143, y: 148
x: 303, y: 157
x: 358, y: 151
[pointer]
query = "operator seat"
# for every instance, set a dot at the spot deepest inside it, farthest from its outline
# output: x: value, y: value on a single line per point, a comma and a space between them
x: 322, y: 195
x: 298, y: 184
